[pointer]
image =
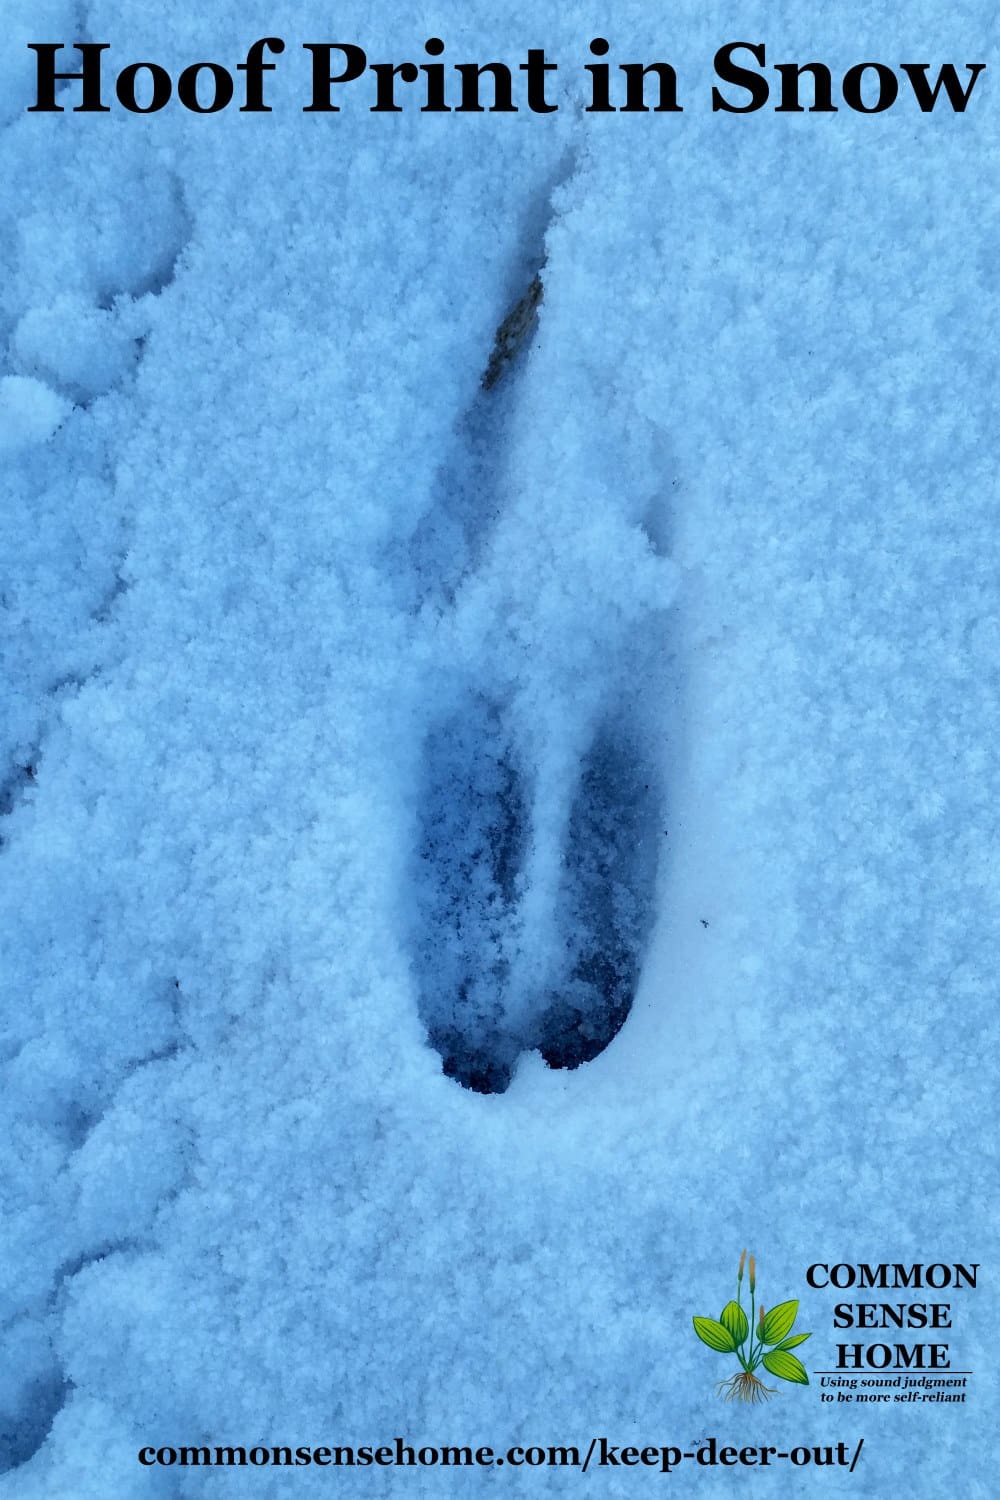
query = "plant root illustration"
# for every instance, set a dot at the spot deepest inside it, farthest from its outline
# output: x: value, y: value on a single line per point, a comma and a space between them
x: 745, y: 1387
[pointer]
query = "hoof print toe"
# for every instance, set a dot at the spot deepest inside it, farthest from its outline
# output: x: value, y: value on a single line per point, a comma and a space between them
x: 472, y: 823
x: 606, y: 900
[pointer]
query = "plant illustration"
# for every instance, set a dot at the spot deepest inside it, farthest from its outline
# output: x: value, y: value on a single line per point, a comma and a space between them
x: 768, y: 1344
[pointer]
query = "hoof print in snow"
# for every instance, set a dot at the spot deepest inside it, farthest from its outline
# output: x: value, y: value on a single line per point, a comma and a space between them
x: 474, y: 823
x: 604, y: 909
x: 521, y: 942
x: 472, y: 831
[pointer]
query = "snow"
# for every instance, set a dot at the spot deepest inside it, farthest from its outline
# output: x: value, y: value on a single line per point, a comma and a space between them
x: 334, y: 682
x: 87, y: 350
x: 30, y: 412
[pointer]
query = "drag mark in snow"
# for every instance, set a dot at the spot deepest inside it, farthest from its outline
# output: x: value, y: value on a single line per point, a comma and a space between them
x: 450, y: 539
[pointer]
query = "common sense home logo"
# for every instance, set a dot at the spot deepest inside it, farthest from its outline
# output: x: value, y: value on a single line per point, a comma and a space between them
x: 764, y: 1338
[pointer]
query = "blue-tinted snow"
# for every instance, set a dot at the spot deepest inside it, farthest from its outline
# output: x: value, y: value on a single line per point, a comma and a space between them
x: 743, y: 492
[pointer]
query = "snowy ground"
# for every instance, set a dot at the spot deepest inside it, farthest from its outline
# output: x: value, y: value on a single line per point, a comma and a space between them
x: 293, y: 610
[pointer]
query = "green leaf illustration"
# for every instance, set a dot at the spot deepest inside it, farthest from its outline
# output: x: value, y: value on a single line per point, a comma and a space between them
x: 785, y: 1366
x: 714, y: 1335
x: 778, y: 1322
x: 794, y: 1341
x: 734, y: 1320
